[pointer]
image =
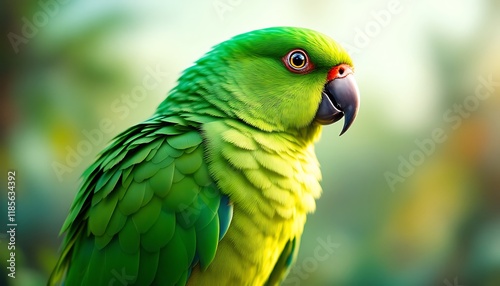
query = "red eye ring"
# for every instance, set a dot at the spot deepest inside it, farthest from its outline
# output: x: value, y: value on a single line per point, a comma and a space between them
x: 297, y: 61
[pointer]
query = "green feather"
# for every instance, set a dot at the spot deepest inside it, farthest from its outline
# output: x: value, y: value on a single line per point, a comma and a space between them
x: 148, y: 195
x: 145, y: 171
x: 93, y: 271
x: 111, y: 184
x: 140, y: 141
x: 146, y: 216
x: 102, y: 240
x: 207, y: 244
x: 184, y: 141
x: 160, y: 233
x: 168, y: 130
x: 132, y: 200
x: 173, y: 261
x: 201, y: 177
x: 116, y: 223
x: 100, y: 215
x: 103, y: 180
x: 162, y: 181
x: 181, y: 194
x: 188, y: 238
x: 129, y: 237
x: 284, y: 263
x: 175, y: 120
x: 139, y: 156
x: 178, y: 176
x: 125, y: 176
x: 164, y: 152
x: 190, y: 162
x: 148, y: 267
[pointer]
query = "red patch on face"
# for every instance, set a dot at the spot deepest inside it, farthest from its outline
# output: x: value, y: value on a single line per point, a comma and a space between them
x: 339, y: 71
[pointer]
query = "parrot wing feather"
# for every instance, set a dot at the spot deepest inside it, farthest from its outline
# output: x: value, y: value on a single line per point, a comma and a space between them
x: 284, y: 263
x: 147, y: 218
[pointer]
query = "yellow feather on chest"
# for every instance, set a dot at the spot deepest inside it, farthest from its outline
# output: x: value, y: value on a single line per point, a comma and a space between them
x: 272, y: 181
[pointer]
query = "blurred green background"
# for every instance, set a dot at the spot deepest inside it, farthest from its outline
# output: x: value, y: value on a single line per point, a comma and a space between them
x: 401, y: 207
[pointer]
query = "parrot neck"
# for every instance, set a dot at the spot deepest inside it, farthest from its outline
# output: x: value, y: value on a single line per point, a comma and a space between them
x: 197, y: 111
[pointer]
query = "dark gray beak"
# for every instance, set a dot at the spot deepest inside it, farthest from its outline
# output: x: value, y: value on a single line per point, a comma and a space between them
x: 340, y: 98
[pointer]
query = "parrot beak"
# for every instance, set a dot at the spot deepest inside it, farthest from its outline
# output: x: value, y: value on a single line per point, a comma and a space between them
x: 340, y: 97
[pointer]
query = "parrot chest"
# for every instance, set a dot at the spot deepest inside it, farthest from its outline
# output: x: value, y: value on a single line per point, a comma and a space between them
x: 273, y: 182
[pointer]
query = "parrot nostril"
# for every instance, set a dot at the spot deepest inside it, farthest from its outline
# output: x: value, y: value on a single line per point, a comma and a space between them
x: 339, y: 71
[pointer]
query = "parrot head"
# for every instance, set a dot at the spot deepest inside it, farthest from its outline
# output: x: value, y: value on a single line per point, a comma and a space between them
x: 280, y: 78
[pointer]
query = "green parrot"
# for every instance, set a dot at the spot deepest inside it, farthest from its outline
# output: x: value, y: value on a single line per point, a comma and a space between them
x: 215, y: 187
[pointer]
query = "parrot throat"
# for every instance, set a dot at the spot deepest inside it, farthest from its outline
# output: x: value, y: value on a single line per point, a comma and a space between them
x: 274, y: 173
x: 272, y: 180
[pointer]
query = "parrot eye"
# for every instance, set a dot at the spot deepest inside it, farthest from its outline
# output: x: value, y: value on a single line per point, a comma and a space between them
x: 297, y: 61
